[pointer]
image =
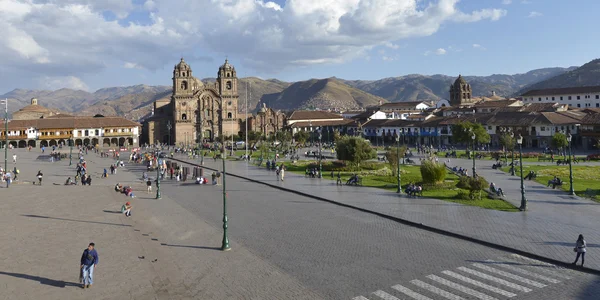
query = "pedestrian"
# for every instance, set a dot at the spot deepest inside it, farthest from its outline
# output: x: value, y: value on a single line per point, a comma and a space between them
x: 14, y: 158
x: 16, y: 172
x: 282, y: 171
x: 126, y: 209
x: 39, y: 176
x: 580, y: 246
x: 149, y: 184
x: 339, y: 179
x: 7, y: 179
x: 89, y: 261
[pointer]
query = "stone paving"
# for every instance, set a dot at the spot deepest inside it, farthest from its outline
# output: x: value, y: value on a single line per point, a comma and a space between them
x: 162, y: 252
x: 548, y: 229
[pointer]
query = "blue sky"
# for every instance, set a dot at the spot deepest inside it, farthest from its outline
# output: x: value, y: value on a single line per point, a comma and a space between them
x: 90, y: 44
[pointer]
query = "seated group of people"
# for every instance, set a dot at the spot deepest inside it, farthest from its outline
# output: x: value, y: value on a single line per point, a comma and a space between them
x: 127, y: 190
x: 201, y: 180
x: 496, y: 190
x: 312, y: 172
x: 413, y: 189
x: 530, y: 176
x: 353, y: 180
x: 460, y: 171
x: 554, y: 182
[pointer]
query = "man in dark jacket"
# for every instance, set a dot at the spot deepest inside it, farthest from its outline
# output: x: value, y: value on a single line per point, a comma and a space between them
x: 89, y: 260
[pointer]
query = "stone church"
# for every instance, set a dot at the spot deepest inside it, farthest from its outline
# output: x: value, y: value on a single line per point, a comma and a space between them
x: 195, y: 110
x: 460, y: 93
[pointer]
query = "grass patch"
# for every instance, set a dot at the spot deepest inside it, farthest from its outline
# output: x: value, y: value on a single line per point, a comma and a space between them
x: 378, y: 175
x: 584, y: 177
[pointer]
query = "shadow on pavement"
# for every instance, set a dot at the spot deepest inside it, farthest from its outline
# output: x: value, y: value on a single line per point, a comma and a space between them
x: 188, y: 246
x: 42, y: 280
x: 564, y: 203
x: 112, y: 211
x: 81, y: 221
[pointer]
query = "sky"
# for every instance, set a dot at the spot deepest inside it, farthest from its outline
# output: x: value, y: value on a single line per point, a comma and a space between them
x: 91, y: 44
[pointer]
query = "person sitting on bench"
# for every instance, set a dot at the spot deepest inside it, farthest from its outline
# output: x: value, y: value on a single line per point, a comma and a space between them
x: 352, y: 180
x: 496, y: 190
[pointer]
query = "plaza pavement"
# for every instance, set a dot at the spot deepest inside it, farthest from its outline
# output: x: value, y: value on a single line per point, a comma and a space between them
x: 162, y: 252
x: 548, y: 229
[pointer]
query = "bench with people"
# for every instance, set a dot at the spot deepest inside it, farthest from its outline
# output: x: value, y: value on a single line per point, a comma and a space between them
x: 530, y: 176
x: 414, y: 190
x: 554, y: 182
x: 311, y: 172
x: 496, y: 190
x: 354, y: 180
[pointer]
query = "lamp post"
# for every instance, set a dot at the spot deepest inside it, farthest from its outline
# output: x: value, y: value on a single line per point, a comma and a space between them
x: 523, y: 199
x: 201, y: 138
x: 512, y: 154
x: 571, y: 190
x: 169, y: 127
x: 71, y: 151
x: 473, y: 138
x: 158, y: 164
x: 398, y: 162
x: 5, y: 135
x: 225, y: 243
x: 503, y: 132
x: 320, y: 156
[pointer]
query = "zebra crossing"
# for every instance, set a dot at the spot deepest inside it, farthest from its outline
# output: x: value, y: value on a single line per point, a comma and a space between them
x: 504, y: 278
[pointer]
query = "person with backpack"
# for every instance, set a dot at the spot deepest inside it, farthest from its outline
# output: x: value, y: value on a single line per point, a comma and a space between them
x: 89, y: 261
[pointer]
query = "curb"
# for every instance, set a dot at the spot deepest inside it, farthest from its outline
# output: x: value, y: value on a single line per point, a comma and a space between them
x: 416, y: 225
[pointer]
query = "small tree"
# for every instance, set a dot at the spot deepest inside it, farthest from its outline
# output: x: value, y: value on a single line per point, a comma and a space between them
x: 474, y: 185
x: 301, y: 137
x: 461, y: 133
x: 354, y: 150
x: 508, y: 142
x: 559, y: 141
x: 392, y: 157
x: 432, y: 172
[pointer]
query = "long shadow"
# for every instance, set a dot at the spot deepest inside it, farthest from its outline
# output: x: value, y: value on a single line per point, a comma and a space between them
x: 112, y: 211
x: 42, y: 280
x: 80, y: 221
x: 564, y: 203
x: 194, y: 247
x: 569, y: 244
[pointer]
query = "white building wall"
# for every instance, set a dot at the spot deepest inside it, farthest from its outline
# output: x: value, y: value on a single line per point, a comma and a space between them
x: 584, y: 101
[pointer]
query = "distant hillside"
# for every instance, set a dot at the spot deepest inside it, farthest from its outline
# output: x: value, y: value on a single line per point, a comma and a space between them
x: 328, y: 93
x: 417, y: 87
x: 586, y: 75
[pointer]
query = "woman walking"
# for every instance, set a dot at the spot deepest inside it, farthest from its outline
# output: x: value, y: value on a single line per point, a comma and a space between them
x: 580, y: 246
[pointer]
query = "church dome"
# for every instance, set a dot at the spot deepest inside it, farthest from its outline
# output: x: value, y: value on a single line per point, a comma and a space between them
x: 460, y: 81
x: 226, y: 66
x: 182, y: 65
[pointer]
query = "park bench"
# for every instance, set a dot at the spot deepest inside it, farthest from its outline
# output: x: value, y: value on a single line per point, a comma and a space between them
x: 543, y: 158
x: 591, y: 193
x: 492, y: 194
x: 355, y: 183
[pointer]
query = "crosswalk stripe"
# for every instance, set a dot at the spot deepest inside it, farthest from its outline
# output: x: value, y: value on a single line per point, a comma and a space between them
x: 479, y: 284
x: 360, y: 298
x: 461, y: 288
x: 435, y: 290
x: 509, y: 275
x: 543, y: 267
x: 496, y: 279
x: 385, y: 296
x: 524, y: 272
x: 410, y: 292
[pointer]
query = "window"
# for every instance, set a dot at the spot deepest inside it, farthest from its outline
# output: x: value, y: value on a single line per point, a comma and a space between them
x: 229, y: 116
x: 489, y: 127
x: 597, y: 104
x: 184, y: 117
x: 228, y: 85
x: 578, y: 105
x: 569, y: 97
x: 561, y: 98
x: 578, y: 97
x: 552, y: 98
x: 597, y: 96
x: 540, y: 99
x: 184, y: 85
x: 542, y: 128
x: 546, y: 98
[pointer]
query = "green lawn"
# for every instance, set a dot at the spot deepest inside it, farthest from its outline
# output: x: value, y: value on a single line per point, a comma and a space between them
x: 375, y: 174
x: 584, y: 177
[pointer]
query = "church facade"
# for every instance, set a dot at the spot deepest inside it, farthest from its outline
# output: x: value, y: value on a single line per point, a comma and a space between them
x: 196, y: 111
x: 461, y: 93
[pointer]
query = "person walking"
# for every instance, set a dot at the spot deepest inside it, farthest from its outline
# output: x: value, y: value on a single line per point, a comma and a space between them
x: 149, y: 184
x: 89, y: 261
x: 39, y: 176
x: 282, y: 171
x: 580, y: 246
x: 14, y: 158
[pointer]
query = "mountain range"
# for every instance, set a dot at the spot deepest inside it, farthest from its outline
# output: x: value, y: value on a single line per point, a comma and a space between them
x: 135, y: 102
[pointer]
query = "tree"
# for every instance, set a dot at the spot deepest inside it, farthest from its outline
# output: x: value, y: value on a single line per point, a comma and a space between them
x: 392, y: 157
x: 354, y: 150
x: 336, y: 135
x: 474, y: 185
x: 432, y: 172
x: 253, y: 136
x: 559, y: 141
x: 301, y: 137
x: 461, y: 133
x: 508, y: 142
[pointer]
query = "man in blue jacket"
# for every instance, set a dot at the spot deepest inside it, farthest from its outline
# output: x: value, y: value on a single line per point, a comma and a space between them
x: 89, y: 260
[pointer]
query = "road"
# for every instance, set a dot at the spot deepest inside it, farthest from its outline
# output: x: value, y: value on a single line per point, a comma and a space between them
x: 341, y: 253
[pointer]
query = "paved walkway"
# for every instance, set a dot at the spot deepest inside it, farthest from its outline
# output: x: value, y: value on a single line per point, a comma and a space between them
x: 548, y: 229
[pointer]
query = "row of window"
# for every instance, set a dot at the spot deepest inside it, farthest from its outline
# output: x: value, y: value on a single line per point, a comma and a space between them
x: 568, y: 98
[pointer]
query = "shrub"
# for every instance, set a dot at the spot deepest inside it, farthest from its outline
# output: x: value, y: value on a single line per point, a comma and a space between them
x: 464, y: 182
x: 474, y: 185
x: 463, y: 195
x: 432, y: 173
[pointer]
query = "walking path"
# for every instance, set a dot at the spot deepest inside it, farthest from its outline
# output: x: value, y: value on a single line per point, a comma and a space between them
x: 548, y: 229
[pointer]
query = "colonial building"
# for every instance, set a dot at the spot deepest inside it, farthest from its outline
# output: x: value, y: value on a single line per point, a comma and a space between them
x: 579, y: 97
x: 33, y: 111
x: 266, y: 121
x: 196, y: 110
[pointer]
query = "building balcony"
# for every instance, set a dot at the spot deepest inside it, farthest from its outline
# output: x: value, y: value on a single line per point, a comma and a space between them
x: 117, y: 134
x: 16, y: 137
x: 54, y: 137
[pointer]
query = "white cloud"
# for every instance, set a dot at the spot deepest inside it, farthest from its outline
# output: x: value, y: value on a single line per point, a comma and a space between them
x: 535, y: 14
x: 477, y: 46
x: 525, y: 2
x: 439, y: 51
x: 72, y: 38
x: 130, y: 65
x: 70, y: 82
x: 506, y: 2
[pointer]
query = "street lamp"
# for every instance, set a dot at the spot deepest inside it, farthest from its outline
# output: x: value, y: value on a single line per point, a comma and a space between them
x: 5, y: 135
x: 571, y: 190
x: 398, y: 162
x: 71, y: 151
x: 473, y: 138
x: 158, y: 164
x: 503, y: 130
x: 320, y: 156
x: 225, y: 243
x: 512, y: 153
x: 523, y: 199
